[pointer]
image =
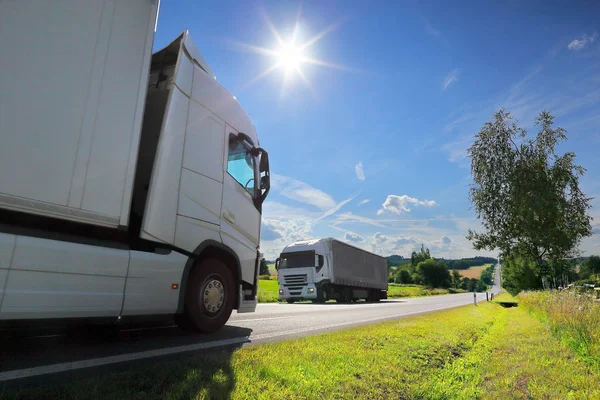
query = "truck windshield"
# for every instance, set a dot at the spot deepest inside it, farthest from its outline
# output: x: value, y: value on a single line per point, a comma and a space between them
x: 298, y: 259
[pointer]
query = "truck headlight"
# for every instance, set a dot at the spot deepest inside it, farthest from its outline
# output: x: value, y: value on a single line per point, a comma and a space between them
x: 311, y: 290
x: 280, y: 291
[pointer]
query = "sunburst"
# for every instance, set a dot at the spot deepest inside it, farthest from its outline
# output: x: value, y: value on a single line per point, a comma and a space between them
x: 290, y: 56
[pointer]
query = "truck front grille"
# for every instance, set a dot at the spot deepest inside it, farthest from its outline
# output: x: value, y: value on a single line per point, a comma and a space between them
x: 295, y: 283
x: 295, y: 279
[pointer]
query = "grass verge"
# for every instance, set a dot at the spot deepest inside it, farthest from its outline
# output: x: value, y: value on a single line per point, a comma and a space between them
x: 268, y: 291
x: 466, y: 353
x: 573, y: 317
x: 399, y: 290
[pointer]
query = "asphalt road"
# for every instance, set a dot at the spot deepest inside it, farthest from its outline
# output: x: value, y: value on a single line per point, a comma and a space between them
x: 39, y: 357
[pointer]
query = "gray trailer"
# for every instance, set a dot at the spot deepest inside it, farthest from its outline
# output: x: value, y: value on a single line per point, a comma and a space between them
x: 325, y: 269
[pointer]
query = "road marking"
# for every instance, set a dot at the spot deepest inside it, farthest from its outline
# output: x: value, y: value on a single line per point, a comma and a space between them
x: 97, y: 362
x: 259, y: 319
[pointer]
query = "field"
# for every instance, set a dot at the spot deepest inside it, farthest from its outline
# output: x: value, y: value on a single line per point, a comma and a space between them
x: 396, y: 290
x: 268, y: 291
x: 473, y: 272
x: 483, y: 351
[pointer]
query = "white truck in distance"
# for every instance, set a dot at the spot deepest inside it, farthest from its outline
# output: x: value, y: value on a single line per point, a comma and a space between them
x: 131, y: 184
x: 324, y: 269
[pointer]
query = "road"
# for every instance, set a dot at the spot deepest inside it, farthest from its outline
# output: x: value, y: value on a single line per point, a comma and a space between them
x: 39, y: 357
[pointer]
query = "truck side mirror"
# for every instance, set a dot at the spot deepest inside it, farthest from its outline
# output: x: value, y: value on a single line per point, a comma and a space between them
x: 265, y: 180
x: 277, y: 264
x: 321, y: 261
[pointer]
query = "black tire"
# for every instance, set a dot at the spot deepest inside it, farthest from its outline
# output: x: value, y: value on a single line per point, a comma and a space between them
x: 290, y: 301
x: 376, y: 295
x: 196, y: 315
x: 345, y: 296
x: 322, y: 296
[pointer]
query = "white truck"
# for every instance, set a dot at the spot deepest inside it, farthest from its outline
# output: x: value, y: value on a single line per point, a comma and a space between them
x: 324, y: 269
x: 131, y: 184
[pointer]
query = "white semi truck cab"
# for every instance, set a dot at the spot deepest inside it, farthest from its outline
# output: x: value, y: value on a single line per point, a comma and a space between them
x: 131, y: 184
x: 324, y: 269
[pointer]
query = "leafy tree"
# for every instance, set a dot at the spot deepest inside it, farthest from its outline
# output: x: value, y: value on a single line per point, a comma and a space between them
x: 590, y: 267
x: 264, y: 268
x: 527, y: 197
x: 422, y: 255
x: 403, y: 276
x: 456, y: 278
x: 434, y: 273
x: 519, y: 274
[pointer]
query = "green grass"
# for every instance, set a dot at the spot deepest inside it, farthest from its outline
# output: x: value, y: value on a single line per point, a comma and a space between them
x: 268, y: 291
x: 573, y: 317
x: 486, y: 352
x: 397, y: 290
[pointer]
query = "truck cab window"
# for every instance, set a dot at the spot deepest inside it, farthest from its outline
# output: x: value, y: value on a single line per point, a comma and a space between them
x: 241, y: 165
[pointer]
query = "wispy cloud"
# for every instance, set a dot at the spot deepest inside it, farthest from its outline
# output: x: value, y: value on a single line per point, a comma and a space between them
x: 363, y: 202
x: 302, y: 192
x: 400, y: 204
x: 360, y: 173
x: 582, y: 42
x: 430, y: 29
x: 335, y: 209
x: 451, y: 78
x: 433, y: 31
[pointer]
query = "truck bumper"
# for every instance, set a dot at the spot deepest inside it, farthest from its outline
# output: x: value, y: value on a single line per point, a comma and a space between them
x: 307, y: 292
x: 246, y: 306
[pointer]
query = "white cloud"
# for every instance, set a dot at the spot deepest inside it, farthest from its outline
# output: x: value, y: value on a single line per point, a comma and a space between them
x: 334, y: 209
x: 582, y: 42
x: 450, y: 79
x: 302, y: 192
x: 400, y: 204
x: 353, y: 237
x: 363, y: 202
x: 360, y: 173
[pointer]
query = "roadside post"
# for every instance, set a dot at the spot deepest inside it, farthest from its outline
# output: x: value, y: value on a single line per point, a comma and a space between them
x: 487, y: 298
x: 475, y: 298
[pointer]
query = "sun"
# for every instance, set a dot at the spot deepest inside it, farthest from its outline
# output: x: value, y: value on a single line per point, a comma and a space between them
x: 290, y: 56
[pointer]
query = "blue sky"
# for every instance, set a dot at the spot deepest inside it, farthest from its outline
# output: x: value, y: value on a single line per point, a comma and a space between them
x: 369, y: 146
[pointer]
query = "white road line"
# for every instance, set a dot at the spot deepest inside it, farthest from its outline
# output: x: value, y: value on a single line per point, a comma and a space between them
x: 97, y: 362
x: 259, y: 319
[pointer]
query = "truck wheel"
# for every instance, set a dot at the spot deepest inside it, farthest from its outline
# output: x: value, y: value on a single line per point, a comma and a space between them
x: 345, y: 296
x: 290, y: 301
x: 375, y: 295
x: 322, y: 294
x: 209, y: 297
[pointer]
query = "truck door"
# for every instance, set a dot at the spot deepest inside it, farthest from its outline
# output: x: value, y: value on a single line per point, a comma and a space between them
x: 240, y: 219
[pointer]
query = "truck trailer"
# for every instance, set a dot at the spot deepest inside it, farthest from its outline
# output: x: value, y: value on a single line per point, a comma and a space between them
x: 324, y: 269
x: 131, y: 184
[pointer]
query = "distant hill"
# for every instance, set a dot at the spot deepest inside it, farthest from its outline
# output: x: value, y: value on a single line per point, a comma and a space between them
x: 397, y: 260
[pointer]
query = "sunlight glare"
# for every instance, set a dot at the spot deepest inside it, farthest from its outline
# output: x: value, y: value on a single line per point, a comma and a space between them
x: 290, y: 56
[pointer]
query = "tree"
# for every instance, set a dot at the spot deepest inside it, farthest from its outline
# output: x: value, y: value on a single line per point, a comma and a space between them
x: 403, y: 276
x: 434, y: 273
x: 456, y: 278
x: 590, y: 266
x: 526, y: 195
x: 422, y: 255
x: 264, y: 268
